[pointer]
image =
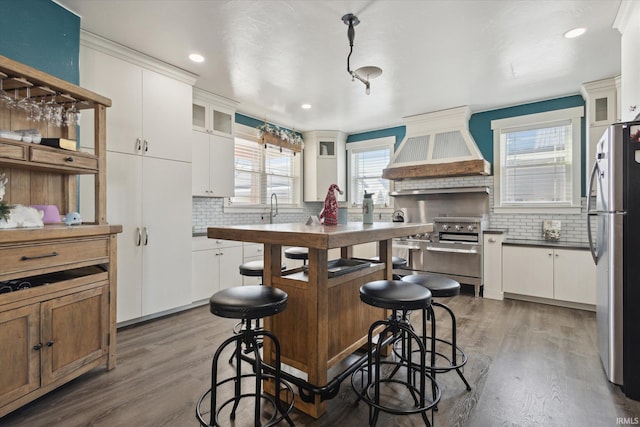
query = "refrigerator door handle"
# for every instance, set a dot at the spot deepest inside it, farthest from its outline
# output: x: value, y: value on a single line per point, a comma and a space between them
x: 592, y: 249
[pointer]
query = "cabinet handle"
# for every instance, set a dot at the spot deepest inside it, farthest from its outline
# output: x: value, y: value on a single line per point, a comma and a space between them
x: 221, y: 253
x: 27, y: 258
x: 146, y: 145
x: 632, y: 108
x: 49, y: 343
x: 550, y: 254
x: 69, y: 159
x: 37, y: 346
x: 492, y: 240
x: 138, y: 144
x: 146, y: 236
x: 139, y: 240
x: 557, y: 255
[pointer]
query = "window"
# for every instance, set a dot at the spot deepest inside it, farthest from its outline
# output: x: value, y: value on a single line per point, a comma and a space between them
x: 537, y: 161
x: 259, y: 172
x: 367, y: 159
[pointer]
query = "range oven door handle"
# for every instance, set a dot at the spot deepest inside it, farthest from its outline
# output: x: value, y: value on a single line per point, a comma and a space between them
x: 454, y: 250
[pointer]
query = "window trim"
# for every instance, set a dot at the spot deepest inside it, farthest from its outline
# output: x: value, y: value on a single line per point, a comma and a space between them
x: 368, y: 145
x: 250, y: 133
x: 575, y: 115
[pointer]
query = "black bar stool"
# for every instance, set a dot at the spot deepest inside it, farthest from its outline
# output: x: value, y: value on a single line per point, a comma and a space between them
x: 369, y: 381
x: 297, y: 253
x: 442, y: 287
x: 254, y: 268
x: 396, y: 262
x: 248, y: 303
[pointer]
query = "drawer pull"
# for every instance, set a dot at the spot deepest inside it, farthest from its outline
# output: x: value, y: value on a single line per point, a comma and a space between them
x: 69, y: 159
x: 27, y: 258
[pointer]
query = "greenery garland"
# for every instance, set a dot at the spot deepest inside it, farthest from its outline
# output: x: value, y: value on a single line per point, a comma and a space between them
x: 291, y: 137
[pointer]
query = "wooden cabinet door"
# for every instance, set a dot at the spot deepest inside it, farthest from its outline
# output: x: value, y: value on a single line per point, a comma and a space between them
x: 574, y: 276
x: 527, y: 271
x: 20, y: 361
x: 221, y: 166
x: 74, y: 331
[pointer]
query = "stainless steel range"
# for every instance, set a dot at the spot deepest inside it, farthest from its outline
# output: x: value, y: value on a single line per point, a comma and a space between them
x: 454, y: 247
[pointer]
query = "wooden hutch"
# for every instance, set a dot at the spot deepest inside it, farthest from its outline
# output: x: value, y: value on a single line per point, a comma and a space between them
x: 64, y: 323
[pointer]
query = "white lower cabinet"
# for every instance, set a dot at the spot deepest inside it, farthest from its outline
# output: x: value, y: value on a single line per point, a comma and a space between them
x: 560, y: 274
x: 214, y: 265
x: 252, y: 252
x: 492, y: 266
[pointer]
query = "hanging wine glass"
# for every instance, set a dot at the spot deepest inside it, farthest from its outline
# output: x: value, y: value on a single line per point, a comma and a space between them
x: 4, y: 96
x: 70, y: 115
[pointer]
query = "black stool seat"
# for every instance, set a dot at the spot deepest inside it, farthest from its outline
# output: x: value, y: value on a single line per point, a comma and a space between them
x: 396, y: 261
x: 254, y: 268
x: 297, y: 253
x: 395, y: 294
x: 248, y: 302
x: 438, y: 285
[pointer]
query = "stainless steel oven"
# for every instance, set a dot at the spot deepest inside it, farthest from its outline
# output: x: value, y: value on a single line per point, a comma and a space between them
x: 453, y: 249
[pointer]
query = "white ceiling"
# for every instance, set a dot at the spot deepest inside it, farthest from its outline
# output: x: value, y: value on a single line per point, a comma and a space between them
x: 272, y: 56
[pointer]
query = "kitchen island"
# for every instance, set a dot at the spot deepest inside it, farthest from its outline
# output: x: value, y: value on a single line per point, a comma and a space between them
x: 324, y: 321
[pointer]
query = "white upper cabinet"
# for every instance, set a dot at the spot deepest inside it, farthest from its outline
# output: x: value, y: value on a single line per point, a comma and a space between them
x: 144, y: 95
x: 627, y: 23
x: 601, y: 99
x: 212, y: 113
x: 325, y: 163
x: 213, y: 165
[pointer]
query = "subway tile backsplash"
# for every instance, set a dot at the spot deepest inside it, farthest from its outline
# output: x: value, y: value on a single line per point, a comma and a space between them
x: 519, y: 226
x: 210, y: 211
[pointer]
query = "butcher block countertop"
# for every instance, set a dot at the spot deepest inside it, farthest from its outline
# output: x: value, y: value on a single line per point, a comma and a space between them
x: 316, y: 236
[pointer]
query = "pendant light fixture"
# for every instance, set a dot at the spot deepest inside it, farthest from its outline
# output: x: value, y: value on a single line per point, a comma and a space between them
x: 364, y: 74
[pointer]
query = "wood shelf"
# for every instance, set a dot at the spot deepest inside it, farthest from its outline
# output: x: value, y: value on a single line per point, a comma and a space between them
x: 465, y: 167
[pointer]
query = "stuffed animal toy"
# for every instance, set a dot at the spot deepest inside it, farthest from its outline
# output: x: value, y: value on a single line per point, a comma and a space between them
x: 330, y: 210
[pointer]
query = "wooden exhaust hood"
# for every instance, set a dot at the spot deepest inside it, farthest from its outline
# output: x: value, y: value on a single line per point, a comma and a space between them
x: 437, y: 144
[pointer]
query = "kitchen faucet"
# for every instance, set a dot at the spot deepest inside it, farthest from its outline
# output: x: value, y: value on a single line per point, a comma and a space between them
x: 271, y: 214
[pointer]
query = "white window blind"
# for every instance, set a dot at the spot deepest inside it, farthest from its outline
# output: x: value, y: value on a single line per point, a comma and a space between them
x: 366, y: 165
x: 537, y: 164
x: 259, y: 172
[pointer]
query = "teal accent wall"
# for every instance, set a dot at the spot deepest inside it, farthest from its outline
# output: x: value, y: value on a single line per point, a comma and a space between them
x: 480, y: 125
x: 398, y: 132
x: 42, y: 34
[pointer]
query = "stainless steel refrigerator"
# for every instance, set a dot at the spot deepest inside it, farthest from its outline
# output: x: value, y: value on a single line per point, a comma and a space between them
x: 615, y: 247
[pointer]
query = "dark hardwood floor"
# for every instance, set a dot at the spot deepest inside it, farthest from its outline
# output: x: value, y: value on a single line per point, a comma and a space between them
x: 529, y: 365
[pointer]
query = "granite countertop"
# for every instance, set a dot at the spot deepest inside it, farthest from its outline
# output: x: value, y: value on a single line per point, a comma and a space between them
x: 547, y: 243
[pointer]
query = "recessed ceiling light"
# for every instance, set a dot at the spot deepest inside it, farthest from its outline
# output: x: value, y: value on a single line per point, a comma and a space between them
x: 305, y: 106
x: 576, y: 32
x: 196, y: 57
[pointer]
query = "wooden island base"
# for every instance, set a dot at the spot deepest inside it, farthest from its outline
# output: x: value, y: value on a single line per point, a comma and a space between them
x: 324, y: 321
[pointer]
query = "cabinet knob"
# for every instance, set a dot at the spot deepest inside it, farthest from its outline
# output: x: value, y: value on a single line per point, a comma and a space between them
x: 49, y: 343
x: 550, y: 254
x: 37, y: 346
x: 492, y: 240
x: 632, y: 108
x: 69, y: 159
